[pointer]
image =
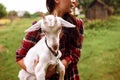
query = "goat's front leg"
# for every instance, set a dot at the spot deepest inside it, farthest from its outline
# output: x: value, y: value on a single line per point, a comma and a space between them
x: 40, y: 71
x: 23, y: 75
x: 61, y: 70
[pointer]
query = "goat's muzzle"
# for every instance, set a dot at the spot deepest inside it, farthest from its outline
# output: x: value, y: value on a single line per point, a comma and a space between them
x: 55, y: 47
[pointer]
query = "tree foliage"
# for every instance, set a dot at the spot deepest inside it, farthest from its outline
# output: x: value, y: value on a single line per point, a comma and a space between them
x: 112, y: 3
x: 36, y: 14
x: 27, y: 14
x: 12, y: 14
x: 3, y: 11
x: 85, y: 3
x: 115, y: 4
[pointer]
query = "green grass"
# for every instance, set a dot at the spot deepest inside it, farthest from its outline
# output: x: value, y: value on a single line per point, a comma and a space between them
x: 101, y: 51
x: 99, y: 60
x: 10, y: 39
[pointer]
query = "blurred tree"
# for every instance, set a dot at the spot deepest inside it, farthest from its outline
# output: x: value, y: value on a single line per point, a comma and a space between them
x: 112, y: 3
x: 36, y: 14
x: 3, y: 11
x: 115, y: 4
x: 12, y: 15
x: 27, y: 14
x: 84, y: 3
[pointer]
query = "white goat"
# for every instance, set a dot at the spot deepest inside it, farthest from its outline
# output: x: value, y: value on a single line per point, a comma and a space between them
x: 46, y: 50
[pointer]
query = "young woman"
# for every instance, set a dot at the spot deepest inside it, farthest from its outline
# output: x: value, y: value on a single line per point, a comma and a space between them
x: 70, y: 41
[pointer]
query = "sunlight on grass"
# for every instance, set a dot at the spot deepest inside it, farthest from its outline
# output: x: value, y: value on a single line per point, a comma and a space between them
x: 5, y: 21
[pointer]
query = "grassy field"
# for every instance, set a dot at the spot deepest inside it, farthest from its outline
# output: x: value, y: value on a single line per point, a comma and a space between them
x: 100, y: 59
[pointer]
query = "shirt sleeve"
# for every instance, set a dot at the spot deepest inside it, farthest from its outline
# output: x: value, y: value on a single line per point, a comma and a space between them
x: 76, y: 52
x: 28, y: 41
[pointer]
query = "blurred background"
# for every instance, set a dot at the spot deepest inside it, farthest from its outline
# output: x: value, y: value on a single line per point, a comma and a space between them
x: 100, y: 59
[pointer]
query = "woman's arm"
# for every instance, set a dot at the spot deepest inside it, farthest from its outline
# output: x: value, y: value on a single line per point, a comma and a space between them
x: 21, y: 64
x: 29, y: 41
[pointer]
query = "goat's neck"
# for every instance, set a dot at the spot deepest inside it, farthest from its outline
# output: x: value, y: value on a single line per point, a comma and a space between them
x: 53, y: 42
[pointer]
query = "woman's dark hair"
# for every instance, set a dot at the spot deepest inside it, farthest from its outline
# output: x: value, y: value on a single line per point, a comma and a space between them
x: 70, y: 35
x: 50, y: 4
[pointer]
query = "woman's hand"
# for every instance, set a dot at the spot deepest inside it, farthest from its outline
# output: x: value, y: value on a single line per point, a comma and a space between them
x: 21, y: 64
x: 65, y: 63
x: 52, y: 68
x: 51, y: 71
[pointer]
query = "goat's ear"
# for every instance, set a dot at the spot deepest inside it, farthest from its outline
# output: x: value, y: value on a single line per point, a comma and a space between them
x: 42, y: 15
x: 66, y: 23
x: 55, y: 14
x: 34, y: 27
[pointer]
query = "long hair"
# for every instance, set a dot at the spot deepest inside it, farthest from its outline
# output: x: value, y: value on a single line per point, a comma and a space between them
x: 50, y: 4
x: 70, y: 35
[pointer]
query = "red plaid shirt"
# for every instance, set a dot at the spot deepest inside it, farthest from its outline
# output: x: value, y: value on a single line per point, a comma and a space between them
x: 72, y: 57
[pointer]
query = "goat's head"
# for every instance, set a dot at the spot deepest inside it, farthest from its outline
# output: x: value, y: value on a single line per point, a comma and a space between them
x: 50, y: 21
x: 51, y: 25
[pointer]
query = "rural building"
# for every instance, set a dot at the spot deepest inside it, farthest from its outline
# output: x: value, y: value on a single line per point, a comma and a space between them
x: 97, y: 10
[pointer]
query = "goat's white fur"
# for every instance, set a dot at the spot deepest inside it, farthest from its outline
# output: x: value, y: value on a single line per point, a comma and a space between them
x: 51, y: 25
